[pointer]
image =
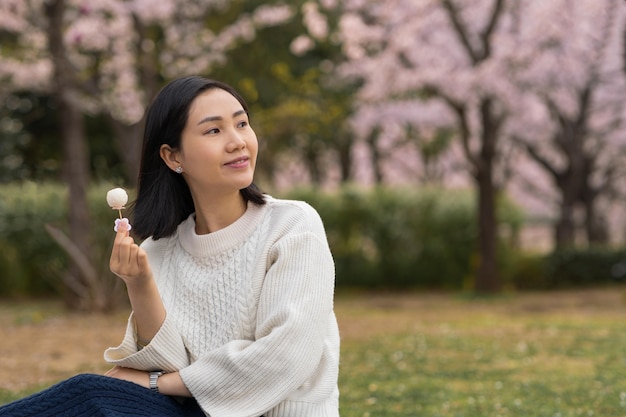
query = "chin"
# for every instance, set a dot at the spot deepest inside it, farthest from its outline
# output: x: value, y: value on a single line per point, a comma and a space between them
x: 244, y: 184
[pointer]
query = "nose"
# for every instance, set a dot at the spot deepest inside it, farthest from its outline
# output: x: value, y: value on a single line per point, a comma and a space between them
x: 236, y: 142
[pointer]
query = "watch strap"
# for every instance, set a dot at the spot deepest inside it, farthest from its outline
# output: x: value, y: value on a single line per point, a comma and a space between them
x: 154, y: 378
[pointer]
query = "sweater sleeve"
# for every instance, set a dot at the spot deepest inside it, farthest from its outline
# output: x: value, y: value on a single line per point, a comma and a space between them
x: 247, y: 378
x: 166, y: 351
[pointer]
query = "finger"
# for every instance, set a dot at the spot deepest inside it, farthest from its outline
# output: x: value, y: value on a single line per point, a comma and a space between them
x: 122, y: 248
x: 122, y: 228
x: 133, y: 252
x: 142, y: 260
x: 122, y: 233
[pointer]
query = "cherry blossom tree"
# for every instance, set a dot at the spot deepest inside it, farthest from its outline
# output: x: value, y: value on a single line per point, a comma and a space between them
x: 109, y: 57
x: 121, y: 52
x: 571, y: 54
x: 496, y: 74
x: 436, y: 64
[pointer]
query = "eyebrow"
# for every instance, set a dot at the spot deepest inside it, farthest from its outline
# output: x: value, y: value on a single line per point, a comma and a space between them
x: 214, y: 118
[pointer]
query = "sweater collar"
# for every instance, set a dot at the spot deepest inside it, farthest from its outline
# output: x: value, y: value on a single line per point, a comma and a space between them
x: 224, y: 239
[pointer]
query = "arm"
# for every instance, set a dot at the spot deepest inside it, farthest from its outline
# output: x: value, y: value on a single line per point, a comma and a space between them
x: 168, y: 384
x: 166, y: 350
x: 147, y: 322
x: 130, y: 263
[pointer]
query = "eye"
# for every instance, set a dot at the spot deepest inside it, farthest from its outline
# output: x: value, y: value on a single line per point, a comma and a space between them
x: 242, y: 123
x: 213, y: 131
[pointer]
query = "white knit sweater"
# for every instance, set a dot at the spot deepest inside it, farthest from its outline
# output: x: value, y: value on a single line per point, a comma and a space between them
x: 250, y: 323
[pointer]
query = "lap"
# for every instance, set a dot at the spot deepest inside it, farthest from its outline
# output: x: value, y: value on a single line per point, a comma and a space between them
x: 99, y: 396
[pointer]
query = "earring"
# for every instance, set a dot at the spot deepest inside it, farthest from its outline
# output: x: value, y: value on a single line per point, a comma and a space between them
x: 179, y: 170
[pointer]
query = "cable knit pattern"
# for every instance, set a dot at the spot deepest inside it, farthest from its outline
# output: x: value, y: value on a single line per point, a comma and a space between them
x: 220, y: 278
x: 250, y: 323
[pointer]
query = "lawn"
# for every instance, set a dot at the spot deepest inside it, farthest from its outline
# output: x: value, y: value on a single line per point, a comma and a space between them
x: 552, y: 354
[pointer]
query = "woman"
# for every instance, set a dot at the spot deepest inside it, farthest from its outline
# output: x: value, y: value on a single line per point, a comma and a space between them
x: 231, y: 290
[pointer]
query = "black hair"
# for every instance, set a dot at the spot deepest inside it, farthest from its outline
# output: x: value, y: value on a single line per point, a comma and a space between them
x: 163, y: 197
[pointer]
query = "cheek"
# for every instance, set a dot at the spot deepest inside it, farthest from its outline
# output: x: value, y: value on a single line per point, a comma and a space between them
x: 199, y: 156
x: 253, y: 145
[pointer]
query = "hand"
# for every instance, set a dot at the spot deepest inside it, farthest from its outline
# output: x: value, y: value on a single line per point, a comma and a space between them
x: 131, y: 375
x: 128, y: 260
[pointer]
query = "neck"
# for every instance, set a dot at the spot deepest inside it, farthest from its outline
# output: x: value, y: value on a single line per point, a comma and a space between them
x: 215, y: 213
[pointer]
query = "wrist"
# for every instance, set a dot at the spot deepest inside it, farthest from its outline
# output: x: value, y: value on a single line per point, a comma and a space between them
x: 141, y: 284
x: 171, y: 384
x: 154, y: 380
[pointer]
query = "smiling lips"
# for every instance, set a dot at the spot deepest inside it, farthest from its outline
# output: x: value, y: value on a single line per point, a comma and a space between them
x: 240, y: 162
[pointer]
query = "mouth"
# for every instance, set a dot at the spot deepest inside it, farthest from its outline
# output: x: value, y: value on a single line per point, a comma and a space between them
x: 239, y: 162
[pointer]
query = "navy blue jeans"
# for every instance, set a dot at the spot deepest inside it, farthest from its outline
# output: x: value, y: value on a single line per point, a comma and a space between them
x: 100, y: 396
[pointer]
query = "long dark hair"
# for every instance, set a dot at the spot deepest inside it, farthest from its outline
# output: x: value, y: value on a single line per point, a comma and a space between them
x: 163, y: 197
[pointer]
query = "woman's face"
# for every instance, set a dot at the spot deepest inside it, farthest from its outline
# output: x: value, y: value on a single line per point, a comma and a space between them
x: 218, y: 147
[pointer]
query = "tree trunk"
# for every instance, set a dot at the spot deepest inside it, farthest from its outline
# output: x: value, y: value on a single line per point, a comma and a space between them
x: 78, y: 294
x: 565, y: 228
x: 75, y: 173
x: 344, y: 152
x: 595, y: 223
x: 129, y: 142
x: 570, y: 182
x: 487, y: 277
x: 375, y: 156
x: 311, y: 161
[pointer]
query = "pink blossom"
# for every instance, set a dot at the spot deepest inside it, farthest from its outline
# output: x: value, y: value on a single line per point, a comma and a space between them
x: 301, y: 45
x: 314, y: 21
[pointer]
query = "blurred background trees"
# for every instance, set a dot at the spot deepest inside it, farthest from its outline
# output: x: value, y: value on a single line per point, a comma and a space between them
x: 520, y: 101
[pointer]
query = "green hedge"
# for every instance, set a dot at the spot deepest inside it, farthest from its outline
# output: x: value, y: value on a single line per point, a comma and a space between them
x: 380, y: 238
x: 31, y: 263
x: 394, y: 238
x: 589, y: 267
x: 404, y: 237
x: 568, y: 268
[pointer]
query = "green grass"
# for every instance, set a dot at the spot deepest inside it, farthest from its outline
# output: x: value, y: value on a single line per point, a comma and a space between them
x: 7, y: 396
x: 542, y: 355
x: 472, y: 364
x: 579, y: 372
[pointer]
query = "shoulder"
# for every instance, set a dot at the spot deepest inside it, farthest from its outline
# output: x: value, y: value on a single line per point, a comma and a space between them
x: 155, y: 247
x: 293, y: 217
x: 293, y: 210
x: 160, y: 246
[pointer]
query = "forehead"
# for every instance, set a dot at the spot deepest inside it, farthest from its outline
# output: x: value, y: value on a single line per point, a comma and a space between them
x: 214, y: 102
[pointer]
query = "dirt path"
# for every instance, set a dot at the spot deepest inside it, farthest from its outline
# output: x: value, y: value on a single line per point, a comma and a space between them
x: 41, y: 344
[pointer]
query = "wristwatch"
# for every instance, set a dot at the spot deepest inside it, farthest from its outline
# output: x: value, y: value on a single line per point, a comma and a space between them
x: 154, y: 378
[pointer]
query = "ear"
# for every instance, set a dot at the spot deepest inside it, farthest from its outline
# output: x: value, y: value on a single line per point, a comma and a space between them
x: 170, y: 156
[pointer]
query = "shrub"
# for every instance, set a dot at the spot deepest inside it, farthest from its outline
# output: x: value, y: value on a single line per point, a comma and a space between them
x: 528, y: 271
x: 400, y: 237
x: 380, y: 237
x: 567, y: 268
x: 585, y: 267
x: 31, y: 262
